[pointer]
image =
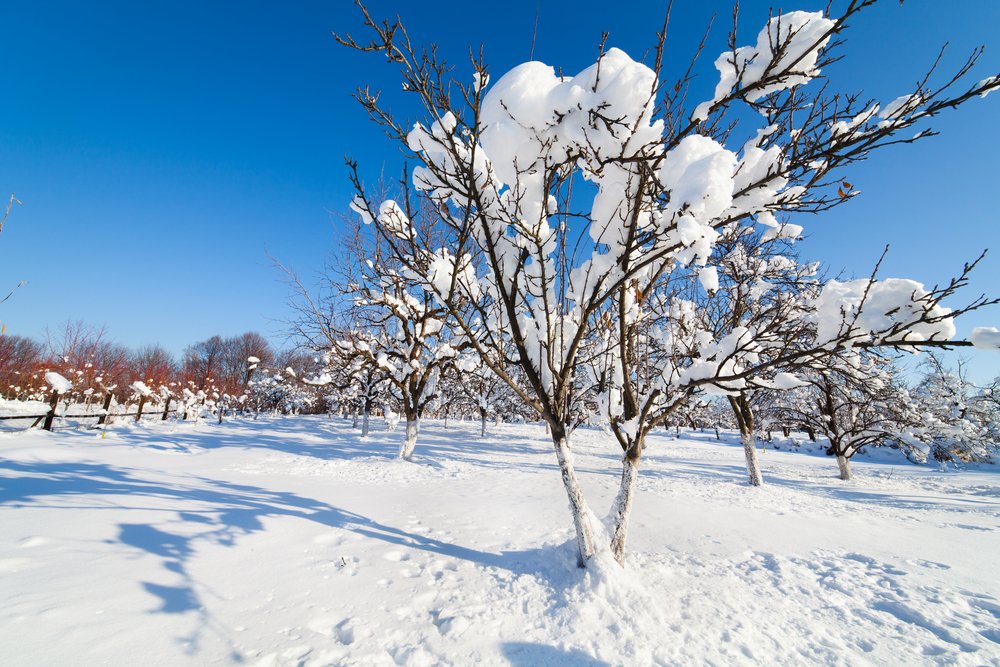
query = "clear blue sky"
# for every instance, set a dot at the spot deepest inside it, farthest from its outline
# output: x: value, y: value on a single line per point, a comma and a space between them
x: 162, y: 149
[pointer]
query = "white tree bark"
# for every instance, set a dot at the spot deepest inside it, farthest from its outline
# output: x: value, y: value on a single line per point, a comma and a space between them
x: 753, y: 464
x: 622, y: 509
x: 364, y: 425
x: 844, y: 464
x: 577, y: 504
x: 482, y: 427
x: 410, y: 443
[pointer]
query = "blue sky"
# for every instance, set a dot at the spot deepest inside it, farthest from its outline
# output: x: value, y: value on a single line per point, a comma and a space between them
x: 163, y: 149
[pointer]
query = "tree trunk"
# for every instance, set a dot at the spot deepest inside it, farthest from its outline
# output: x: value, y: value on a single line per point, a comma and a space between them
x: 482, y: 425
x: 622, y: 508
x: 753, y: 464
x: 354, y: 415
x: 410, y: 443
x: 364, y: 424
x: 577, y: 503
x: 844, y: 464
x: 746, y: 420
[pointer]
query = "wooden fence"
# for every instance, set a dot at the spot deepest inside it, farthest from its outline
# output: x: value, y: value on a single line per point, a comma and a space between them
x: 48, y: 418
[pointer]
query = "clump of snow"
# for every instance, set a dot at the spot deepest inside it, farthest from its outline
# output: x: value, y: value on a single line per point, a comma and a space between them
x: 58, y: 383
x: 709, y: 278
x: 842, y: 127
x: 986, y: 338
x: 140, y: 388
x: 393, y: 219
x: 804, y: 35
x: 783, y: 381
x: 532, y: 117
x: 480, y: 80
x: 359, y: 206
x: 988, y: 81
x: 901, y: 106
x: 875, y: 308
x: 783, y: 231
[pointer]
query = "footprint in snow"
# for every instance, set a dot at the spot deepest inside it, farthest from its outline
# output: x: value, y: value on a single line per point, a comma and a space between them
x: 34, y: 541
x: 929, y: 564
x: 334, y: 627
x: 396, y: 556
x: 327, y: 539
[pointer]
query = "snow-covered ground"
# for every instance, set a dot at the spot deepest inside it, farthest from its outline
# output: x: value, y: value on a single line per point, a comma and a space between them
x: 290, y: 541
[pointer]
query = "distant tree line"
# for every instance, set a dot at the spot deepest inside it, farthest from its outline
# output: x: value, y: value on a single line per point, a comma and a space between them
x: 94, y: 363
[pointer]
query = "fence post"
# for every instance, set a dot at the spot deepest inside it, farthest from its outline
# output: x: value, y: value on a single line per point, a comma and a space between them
x: 106, y: 408
x: 166, y: 410
x: 138, y: 412
x: 220, y: 411
x: 52, y: 411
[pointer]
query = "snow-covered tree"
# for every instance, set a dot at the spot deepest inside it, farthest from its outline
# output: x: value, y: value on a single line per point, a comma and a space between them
x: 564, y: 202
x: 396, y: 323
x: 755, y: 283
x: 481, y: 386
x: 957, y: 419
x: 857, y: 401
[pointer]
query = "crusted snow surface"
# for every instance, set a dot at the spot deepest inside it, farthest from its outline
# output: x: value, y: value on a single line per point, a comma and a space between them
x: 290, y: 541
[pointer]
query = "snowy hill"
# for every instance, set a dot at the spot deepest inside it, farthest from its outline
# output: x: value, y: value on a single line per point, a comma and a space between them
x: 291, y: 541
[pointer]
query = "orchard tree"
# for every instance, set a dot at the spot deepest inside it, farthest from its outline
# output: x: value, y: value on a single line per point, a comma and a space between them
x: 482, y: 388
x: 958, y: 420
x: 355, y: 378
x: 857, y: 401
x: 397, y: 325
x: 526, y: 258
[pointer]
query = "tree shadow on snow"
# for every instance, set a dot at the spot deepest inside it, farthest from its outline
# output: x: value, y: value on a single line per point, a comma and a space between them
x: 846, y: 491
x: 220, y: 512
x: 334, y: 439
x: 526, y: 654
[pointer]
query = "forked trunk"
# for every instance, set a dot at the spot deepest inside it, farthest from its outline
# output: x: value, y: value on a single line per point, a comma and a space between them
x: 623, y: 506
x: 577, y: 504
x: 844, y: 464
x: 753, y: 464
x: 412, y: 428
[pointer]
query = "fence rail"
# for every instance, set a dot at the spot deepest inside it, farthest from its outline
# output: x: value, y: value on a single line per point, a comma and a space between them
x: 104, y: 414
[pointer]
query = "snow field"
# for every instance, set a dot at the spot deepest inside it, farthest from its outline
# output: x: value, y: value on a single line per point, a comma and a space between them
x: 291, y: 541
